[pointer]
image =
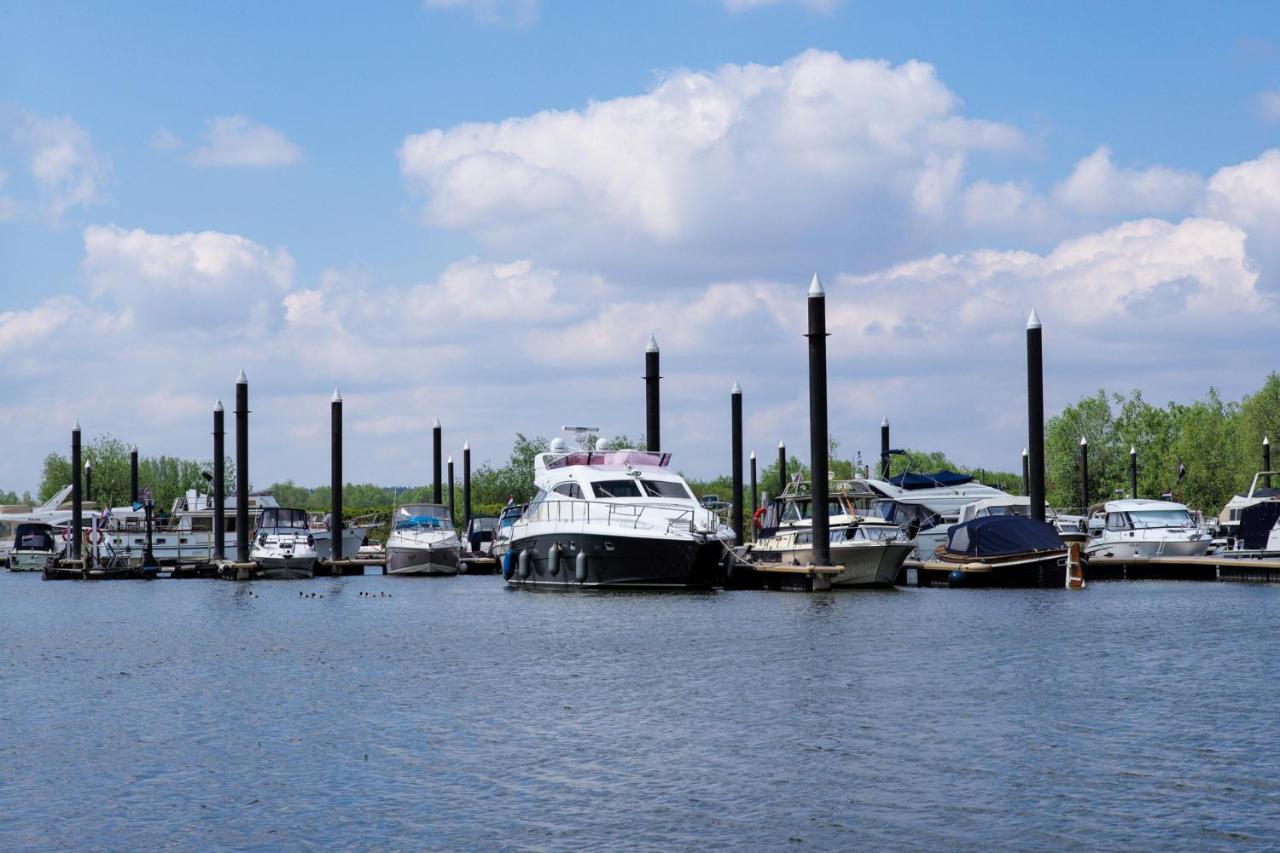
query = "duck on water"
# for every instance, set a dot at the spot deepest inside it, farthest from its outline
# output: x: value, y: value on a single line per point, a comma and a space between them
x: 613, y: 518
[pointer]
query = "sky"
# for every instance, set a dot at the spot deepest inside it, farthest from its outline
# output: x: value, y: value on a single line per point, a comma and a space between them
x: 479, y: 210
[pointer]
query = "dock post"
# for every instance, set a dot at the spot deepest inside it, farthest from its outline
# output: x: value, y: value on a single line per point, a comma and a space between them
x: 466, y: 481
x: 335, y: 483
x: 219, y: 484
x: 1133, y: 471
x: 735, y: 412
x: 133, y: 474
x: 782, y: 468
x: 755, y: 494
x: 1035, y: 414
x: 88, y: 481
x: 652, y: 410
x: 436, y: 496
x: 1084, y: 475
x: 1266, y: 461
x: 449, y: 468
x: 76, y: 513
x: 1025, y: 469
x: 242, y: 474
x: 884, y: 448
x: 819, y: 449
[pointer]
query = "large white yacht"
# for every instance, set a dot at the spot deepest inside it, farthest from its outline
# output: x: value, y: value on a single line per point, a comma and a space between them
x: 1146, y: 528
x: 613, y: 518
x: 929, y: 504
x: 870, y: 549
x: 422, y: 541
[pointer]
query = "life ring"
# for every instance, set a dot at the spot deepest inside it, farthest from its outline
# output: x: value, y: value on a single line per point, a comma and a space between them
x: 88, y: 536
x: 755, y: 519
x: 66, y: 534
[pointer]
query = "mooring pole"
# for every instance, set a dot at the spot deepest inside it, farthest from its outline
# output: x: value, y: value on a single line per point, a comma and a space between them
x: 652, y: 411
x: 1084, y: 476
x: 88, y: 481
x: 1133, y: 471
x: 1035, y: 415
x: 1266, y: 461
x: 242, y: 468
x: 735, y: 413
x: 755, y: 494
x: 466, y: 481
x: 335, y: 481
x: 782, y: 468
x: 219, y: 485
x: 76, y: 516
x: 818, y: 446
x: 884, y: 448
x: 436, y: 495
x: 449, y: 467
x: 1025, y: 469
x: 133, y: 474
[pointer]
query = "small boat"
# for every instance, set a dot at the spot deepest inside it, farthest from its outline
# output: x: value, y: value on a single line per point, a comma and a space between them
x: 1146, y: 528
x: 34, y: 548
x: 928, y: 504
x: 477, y: 546
x: 283, y: 547
x: 999, y: 550
x: 869, y: 549
x: 502, y: 535
x: 422, y: 541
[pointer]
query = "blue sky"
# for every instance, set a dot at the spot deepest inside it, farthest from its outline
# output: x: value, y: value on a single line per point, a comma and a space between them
x: 338, y: 89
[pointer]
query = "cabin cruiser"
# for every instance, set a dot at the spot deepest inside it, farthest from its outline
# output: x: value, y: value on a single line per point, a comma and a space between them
x: 613, y: 518
x: 502, y: 535
x: 1260, y: 491
x: 869, y: 549
x: 1146, y: 528
x: 284, y: 547
x: 422, y: 541
x: 477, y: 545
x: 929, y: 504
x: 51, y: 512
x: 1069, y: 527
x: 34, y: 547
x: 1006, y: 550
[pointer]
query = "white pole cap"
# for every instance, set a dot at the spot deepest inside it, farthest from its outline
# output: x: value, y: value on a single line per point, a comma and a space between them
x: 736, y: 389
x: 76, y: 428
x: 242, y: 379
x: 815, y: 287
x: 1084, y: 442
x: 652, y: 346
x: 436, y: 425
x: 1133, y: 451
x: 466, y: 445
x: 1024, y: 451
x: 336, y: 398
x: 217, y: 407
x: 753, y: 456
x: 1033, y: 322
x: 884, y: 422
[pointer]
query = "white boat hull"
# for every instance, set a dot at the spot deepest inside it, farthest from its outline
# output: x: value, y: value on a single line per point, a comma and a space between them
x: 403, y: 560
x: 287, y: 568
x: 1149, y: 548
x: 29, y: 561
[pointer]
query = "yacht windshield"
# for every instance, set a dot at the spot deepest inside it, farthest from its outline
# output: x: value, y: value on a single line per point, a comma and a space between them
x: 799, y: 510
x: 1148, y: 518
x: 422, y: 517
x: 273, y: 518
x: 617, y: 489
x: 665, y: 489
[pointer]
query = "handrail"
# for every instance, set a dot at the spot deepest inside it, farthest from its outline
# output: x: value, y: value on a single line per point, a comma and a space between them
x: 673, y: 518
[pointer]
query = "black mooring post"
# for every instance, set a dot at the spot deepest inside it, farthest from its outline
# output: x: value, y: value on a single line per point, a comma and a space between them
x: 652, y: 411
x: 242, y: 468
x: 1025, y: 469
x: 133, y: 474
x: 1035, y: 415
x: 76, y: 513
x: 818, y: 446
x: 335, y: 480
x: 884, y: 448
x: 1084, y: 476
x: 755, y: 493
x: 1133, y: 471
x: 735, y: 412
x: 88, y: 481
x: 449, y: 468
x: 466, y: 481
x: 1266, y: 461
x: 436, y: 495
x: 782, y: 468
x: 219, y: 484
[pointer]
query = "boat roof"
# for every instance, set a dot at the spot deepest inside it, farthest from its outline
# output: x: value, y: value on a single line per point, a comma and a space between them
x: 618, y: 460
x: 1140, y: 504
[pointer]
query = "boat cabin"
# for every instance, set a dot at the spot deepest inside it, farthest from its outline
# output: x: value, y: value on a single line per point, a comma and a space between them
x: 33, y: 537
x: 279, y: 518
x: 425, y: 516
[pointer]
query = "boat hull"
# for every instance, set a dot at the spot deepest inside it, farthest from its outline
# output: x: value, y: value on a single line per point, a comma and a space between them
x: 29, y: 561
x: 1150, y: 548
x: 869, y: 566
x: 286, y: 568
x: 1048, y: 569
x: 403, y: 560
x: 617, y: 562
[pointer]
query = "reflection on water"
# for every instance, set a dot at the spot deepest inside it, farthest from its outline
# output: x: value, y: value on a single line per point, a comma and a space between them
x: 454, y: 712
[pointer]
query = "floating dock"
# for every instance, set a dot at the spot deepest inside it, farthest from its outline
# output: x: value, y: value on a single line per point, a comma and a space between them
x: 781, y: 576
x: 1210, y: 568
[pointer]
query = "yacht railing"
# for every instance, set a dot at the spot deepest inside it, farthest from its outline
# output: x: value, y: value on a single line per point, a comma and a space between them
x: 672, y: 518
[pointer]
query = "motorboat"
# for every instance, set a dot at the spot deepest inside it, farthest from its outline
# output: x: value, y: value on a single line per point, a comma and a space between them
x: 1146, y: 528
x: 477, y: 545
x: 283, y: 546
x: 34, y: 547
x: 1069, y: 527
x: 928, y: 504
x: 613, y: 518
x: 1005, y: 550
x: 869, y: 549
x: 502, y: 534
x: 51, y: 512
x: 422, y: 541
x: 1260, y: 491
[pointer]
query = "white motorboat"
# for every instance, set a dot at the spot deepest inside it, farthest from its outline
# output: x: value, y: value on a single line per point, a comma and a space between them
x: 870, y: 549
x: 51, y: 512
x: 1146, y: 528
x: 283, y: 546
x: 1260, y: 491
x: 928, y: 504
x: 422, y: 541
x: 613, y: 518
x: 34, y: 547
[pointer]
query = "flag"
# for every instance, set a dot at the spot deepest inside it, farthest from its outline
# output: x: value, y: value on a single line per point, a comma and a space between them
x: 1182, y: 469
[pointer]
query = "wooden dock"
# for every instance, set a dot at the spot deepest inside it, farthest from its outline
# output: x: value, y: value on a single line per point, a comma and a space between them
x: 781, y: 576
x: 1210, y: 568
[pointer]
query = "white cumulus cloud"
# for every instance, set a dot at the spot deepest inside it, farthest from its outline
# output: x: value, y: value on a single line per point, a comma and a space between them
x: 238, y: 141
x: 64, y: 165
x: 1098, y: 186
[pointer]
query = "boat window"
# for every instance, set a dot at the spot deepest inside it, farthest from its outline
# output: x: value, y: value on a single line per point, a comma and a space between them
x: 792, y: 512
x: 1118, y: 521
x: 1149, y: 518
x: 420, y: 516
x: 273, y: 518
x: 617, y: 489
x: 570, y: 490
x: 875, y: 532
x: 666, y: 489
x: 484, y: 524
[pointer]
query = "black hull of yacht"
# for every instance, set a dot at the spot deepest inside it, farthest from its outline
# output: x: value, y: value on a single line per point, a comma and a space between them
x: 614, y: 562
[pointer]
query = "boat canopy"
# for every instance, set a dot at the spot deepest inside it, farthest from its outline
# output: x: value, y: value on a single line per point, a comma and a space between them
x: 935, y: 480
x: 1256, y: 522
x: 621, y: 458
x: 33, y: 537
x: 276, y: 517
x: 423, y: 516
x: 1000, y: 535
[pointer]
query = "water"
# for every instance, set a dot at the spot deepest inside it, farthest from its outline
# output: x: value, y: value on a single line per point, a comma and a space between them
x: 458, y: 713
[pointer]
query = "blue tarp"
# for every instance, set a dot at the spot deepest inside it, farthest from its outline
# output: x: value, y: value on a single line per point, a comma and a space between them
x: 997, y: 535
x: 930, y: 481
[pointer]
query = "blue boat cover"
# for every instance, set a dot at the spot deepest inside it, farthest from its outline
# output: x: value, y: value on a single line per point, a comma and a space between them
x: 998, y: 535
x: 930, y: 481
x: 1256, y: 522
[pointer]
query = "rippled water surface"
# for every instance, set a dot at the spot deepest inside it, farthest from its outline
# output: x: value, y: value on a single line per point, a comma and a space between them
x: 458, y: 713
